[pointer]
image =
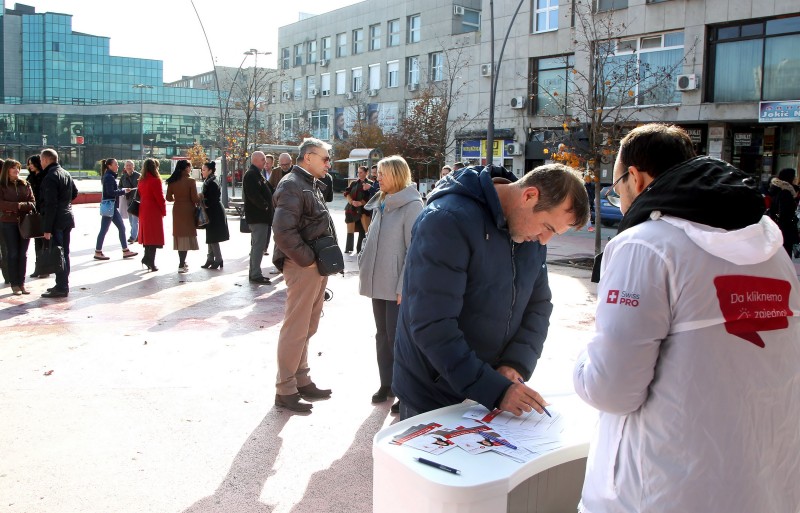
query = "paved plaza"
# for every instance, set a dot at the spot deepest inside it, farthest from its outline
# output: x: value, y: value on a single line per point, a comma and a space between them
x: 153, y: 392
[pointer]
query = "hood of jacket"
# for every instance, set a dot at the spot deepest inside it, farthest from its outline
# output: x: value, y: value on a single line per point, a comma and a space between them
x: 396, y: 200
x: 781, y: 184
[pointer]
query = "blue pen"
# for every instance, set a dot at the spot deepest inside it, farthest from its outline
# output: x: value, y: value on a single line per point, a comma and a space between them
x: 537, y: 402
x: 498, y: 440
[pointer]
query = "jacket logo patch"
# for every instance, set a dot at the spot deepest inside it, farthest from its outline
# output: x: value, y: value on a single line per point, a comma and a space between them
x: 751, y: 304
x: 613, y: 296
x: 623, y: 298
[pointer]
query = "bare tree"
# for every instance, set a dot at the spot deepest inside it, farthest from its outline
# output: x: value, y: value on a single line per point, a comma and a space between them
x: 593, y: 106
x: 250, y: 94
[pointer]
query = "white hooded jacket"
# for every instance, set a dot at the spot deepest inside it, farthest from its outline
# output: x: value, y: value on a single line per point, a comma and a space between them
x: 695, y: 368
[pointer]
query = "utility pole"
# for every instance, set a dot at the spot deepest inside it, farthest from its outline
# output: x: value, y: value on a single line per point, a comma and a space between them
x: 140, y: 87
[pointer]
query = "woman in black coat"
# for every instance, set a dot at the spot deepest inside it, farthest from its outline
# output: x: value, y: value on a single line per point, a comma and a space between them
x: 782, y: 207
x: 217, y: 227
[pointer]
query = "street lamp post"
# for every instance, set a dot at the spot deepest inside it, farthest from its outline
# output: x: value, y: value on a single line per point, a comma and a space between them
x: 140, y: 87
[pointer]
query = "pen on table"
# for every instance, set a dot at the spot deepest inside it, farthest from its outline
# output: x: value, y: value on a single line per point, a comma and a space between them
x: 537, y: 402
x: 498, y: 440
x: 438, y: 465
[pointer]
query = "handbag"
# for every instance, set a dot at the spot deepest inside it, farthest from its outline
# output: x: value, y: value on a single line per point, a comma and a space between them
x: 50, y: 258
x: 107, y: 207
x: 200, y: 216
x: 328, y: 255
x: 30, y: 226
x: 133, y: 205
x: 243, y: 226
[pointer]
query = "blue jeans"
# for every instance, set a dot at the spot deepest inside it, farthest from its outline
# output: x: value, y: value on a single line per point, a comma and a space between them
x: 259, y: 233
x: 61, y: 238
x: 16, y: 253
x: 134, y: 226
x: 105, y: 222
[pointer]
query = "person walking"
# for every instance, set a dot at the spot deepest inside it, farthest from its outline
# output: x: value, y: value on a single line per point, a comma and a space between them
x: 301, y: 215
x: 16, y: 199
x: 783, y: 206
x: 217, y: 227
x: 152, y: 210
x: 258, y: 213
x: 129, y: 180
x: 182, y: 189
x: 58, y: 191
x: 382, y: 262
x: 35, y: 177
x: 111, y: 192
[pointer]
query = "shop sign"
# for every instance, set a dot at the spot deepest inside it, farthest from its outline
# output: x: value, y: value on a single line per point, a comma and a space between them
x: 471, y: 149
x: 695, y: 134
x: 779, y: 112
x: 742, y: 139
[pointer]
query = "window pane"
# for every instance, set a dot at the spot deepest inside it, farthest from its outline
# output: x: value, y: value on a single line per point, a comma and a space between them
x: 737, y: 71
x: 553, y: 19
x: 754, y: 29
x: 781, y: 68
x: 651, y: 42
x: 728, y: 32
x: 541, y: 22
x: 674, y: 39
x: 552, y: 92
x: 783, y: 26
x: 656, y: 70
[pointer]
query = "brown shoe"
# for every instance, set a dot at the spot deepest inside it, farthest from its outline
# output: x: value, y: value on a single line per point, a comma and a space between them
x: 292, y: 402
x: 98, y: 255
x: 127, y: 253
x: 311, y: 391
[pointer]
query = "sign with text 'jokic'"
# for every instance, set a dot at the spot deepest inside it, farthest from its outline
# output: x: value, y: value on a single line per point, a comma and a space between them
x: 779, y: 112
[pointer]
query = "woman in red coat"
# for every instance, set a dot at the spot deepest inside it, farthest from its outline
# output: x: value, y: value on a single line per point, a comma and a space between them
x: 152, y: 209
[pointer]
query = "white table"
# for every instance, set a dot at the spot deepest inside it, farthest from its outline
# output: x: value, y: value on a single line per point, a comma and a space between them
x: 488, y: 483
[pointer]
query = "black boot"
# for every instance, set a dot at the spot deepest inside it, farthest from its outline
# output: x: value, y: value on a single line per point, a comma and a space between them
x: 360, y: 242
x: 209, y: 262
x: 348, y: 247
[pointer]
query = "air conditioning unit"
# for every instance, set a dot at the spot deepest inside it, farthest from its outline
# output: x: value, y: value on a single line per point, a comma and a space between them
x: 313, y: 91
x: 323, y: 63
x: 272, y: 99
x: 486, y: 70
x: 326, y: 92
x: 349, y: 96
x: 458, y: 10
x: 686, y: 82
x: 518, y: 102
x: 413, y: 87
x: 514, y: 149
x: 372, y: 92
x: 286, y: 95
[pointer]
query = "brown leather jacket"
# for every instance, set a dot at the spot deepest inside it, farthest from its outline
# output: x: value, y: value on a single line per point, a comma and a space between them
x: 300, y: 216
x: 15, y: 198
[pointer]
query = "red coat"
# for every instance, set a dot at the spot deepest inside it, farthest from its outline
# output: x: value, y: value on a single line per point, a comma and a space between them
x: 152, y: 209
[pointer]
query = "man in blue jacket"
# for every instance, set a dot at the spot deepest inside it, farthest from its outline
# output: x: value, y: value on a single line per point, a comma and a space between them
x: 476, y: 300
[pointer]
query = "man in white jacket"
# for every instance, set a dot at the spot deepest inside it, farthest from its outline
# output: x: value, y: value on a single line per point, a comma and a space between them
x: 695, y: 363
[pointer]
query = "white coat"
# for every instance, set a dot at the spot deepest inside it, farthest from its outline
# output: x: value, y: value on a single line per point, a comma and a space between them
x: 695, y: 368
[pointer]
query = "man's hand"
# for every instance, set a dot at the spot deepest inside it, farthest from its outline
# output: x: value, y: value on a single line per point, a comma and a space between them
x: 519, y: 399
x: 46, y: 236
x: 510, y: 373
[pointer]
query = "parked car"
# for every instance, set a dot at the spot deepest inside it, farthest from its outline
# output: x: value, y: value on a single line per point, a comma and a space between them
x: 609, y: 214
x: 339, y: 182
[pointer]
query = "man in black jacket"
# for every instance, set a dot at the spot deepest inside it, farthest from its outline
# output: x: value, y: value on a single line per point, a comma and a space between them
x: 258, y: 212
x: 57, y: 191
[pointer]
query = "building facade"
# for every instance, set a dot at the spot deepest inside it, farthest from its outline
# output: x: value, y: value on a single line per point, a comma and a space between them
x: 723, y: 69
x: 64, y: 90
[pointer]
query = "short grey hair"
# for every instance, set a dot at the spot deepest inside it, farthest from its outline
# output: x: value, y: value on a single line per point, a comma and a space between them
x: 311, y: 142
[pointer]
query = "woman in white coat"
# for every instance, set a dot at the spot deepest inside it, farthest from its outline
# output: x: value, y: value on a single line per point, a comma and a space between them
x: 382, y: 261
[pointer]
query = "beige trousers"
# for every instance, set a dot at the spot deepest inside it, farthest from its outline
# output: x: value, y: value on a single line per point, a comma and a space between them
x: 305, y: 293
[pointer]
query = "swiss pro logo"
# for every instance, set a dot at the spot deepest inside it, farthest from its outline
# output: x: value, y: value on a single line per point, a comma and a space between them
x: 622, y: 298
x: 751, y: 304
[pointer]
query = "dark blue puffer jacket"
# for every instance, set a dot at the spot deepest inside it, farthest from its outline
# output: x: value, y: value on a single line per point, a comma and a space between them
x: 473, y: 300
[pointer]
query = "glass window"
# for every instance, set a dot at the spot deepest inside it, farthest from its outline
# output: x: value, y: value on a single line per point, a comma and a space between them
x: 545, y: 16
x: 358, y: 41
x: 312, y: 52
x: 393, y: 74
x: 414, y: 28
x: 781, y: 67
x: 325, y: 84
x: 311, y: 86
x: 326, y: 48
x: 298, y: 88
x: 437, y: 64
x: 374, y: 37
x: 393, y: 38
x: 341, y: 44
x: 374, y: 76
x: 470, y: 21
x: 298, y: 54
x: 552, y: 84
x: 341, y: 82
x: 412, y: 65
x: 290, y: 124
x: 783, y: 26
x: 607, y: 5
x: 318, y: 119
x: 356, y: 81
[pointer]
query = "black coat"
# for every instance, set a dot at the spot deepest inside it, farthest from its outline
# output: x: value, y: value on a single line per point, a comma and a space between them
x: 782, y: 210
x: 257, y: 195
x: 217, y: 227
x: 57, y: 191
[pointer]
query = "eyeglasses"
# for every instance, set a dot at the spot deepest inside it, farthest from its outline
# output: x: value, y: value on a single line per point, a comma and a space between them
x: 324, y: 159
x: 611, y: 194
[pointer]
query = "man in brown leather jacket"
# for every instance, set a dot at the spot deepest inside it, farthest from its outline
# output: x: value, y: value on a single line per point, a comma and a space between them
x: 300, y: 216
